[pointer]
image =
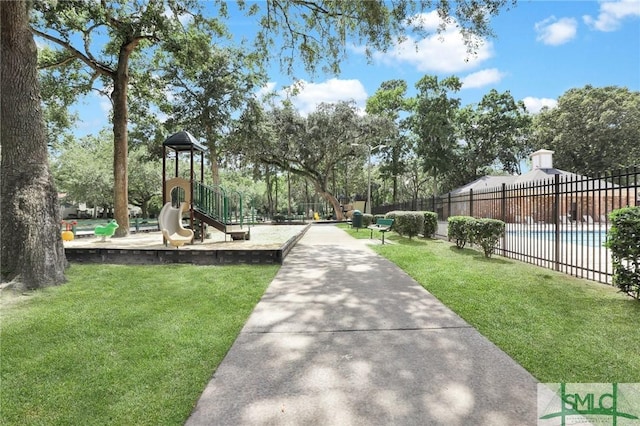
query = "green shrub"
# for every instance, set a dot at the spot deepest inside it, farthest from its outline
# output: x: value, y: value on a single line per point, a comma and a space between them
x: 367, y: 219
x: 460, y: 229
x: 430, y: 224
x: 392, y: 215
x: 413, y: 222
x: 406, y: 223
x: 624, y: 241
x: 487, y: 233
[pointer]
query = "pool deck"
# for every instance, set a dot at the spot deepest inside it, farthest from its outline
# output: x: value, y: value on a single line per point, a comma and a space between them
x: 268, y: 244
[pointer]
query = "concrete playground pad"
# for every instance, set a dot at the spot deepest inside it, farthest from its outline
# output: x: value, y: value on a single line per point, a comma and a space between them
x: 344, y: 337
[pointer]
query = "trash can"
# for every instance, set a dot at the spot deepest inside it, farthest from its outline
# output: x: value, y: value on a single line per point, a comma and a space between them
x: 356, y: 219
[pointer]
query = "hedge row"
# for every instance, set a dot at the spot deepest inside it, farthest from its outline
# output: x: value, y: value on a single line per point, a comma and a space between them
x: 411, y: 223
x: 624, y: 241
x: 484, y: 232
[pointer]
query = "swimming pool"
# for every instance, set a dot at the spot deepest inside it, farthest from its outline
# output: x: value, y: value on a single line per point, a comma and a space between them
x: 591, y: 238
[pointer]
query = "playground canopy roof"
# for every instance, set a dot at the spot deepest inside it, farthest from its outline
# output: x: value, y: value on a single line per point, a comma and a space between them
x: 183, y: 141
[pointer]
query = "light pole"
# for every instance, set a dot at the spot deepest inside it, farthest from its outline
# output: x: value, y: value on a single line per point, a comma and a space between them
x: 368, y: 207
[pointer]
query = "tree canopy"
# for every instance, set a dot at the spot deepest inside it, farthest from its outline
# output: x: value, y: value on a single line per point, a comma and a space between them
x: 433, y: 123
x: 83, y: 170
x: 311, y: 146
x: 391, y: 101
x: 492, y: 135
x: 312, y: 32
x: 592, y: 129
x: 131, y: 29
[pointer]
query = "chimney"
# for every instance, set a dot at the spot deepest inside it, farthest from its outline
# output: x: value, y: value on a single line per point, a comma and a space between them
x: 542, y: 159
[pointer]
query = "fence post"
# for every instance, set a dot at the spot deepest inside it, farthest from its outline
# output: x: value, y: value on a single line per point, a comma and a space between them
x: 449, y: 205
x: 556, y: 220
x: 471, y: 202
x: 503, y: 214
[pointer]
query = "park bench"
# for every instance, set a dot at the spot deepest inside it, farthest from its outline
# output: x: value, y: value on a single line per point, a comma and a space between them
x: 381, y: 225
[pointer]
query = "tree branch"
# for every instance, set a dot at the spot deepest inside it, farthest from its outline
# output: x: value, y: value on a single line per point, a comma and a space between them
x: 97, y: 66
x: 59, y: 63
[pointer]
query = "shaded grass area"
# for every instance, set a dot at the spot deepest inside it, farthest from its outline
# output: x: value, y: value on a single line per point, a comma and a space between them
x: 122, y: 344
x: 560, y: 328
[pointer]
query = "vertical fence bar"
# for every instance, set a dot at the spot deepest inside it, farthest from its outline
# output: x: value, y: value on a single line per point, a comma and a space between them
x: 556, y: 219
x: 503, y: 215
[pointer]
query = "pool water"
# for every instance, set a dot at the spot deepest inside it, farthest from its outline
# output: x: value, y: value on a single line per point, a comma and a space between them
x: 593, y: 238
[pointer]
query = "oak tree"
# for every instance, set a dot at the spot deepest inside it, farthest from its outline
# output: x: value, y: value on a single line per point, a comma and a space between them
x: 391, y: 101
x: 433, y: 123
x: 492, y: 135
x: 32, y: 254
x: 311, y: 146
x: 592, y: 129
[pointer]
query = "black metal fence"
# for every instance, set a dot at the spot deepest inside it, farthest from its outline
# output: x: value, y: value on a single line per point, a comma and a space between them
x: 559, y: 223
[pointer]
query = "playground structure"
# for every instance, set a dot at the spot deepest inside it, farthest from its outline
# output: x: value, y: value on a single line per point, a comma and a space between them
x: 170, y: 223
x: 204, y: 204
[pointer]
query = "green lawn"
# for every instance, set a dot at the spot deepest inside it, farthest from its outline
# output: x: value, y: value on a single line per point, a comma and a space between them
x: 137, y: 345
x: 122, y: 344
x: 560, y: 328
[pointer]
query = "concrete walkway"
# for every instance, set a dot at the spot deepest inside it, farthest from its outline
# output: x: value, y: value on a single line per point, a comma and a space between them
x: 344, y: 337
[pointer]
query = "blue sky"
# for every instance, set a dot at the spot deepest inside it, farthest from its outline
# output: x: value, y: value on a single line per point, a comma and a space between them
x: 541, y: 49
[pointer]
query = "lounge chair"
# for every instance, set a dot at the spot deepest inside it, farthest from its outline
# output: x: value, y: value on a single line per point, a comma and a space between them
x: 587, y: 218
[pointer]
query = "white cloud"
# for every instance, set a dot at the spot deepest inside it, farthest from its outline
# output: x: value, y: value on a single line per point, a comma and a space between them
x: 429, y: 21
x: 184, y: 18
x: 612, y: 13
x: 482, y: 78
x: 555, y: 32
x: 309, y: 95
x: 535, y: 105
x: 266, y: 90
x: 105, y: 105
x: 444, y: 52
x: 42, y: 43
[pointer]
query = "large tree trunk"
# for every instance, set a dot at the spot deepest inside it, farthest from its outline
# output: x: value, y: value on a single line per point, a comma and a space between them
x: 394, y: 198
x: 144, y: 209
x: 269, y: 182
x: 32, y: 254
x: 329, y: 197
x: 214, y: 156
x: 120, y: 140
x: 215, y: 169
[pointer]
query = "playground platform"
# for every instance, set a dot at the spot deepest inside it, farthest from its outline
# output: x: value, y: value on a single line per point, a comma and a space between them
x: 268, y: 244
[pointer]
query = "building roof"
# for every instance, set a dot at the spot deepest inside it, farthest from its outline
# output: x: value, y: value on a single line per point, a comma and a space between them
x: 543, y: 171
x: 577, y: 182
